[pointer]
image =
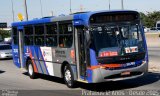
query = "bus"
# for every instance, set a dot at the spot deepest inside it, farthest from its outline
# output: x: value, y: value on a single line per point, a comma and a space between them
x: 88, y: 47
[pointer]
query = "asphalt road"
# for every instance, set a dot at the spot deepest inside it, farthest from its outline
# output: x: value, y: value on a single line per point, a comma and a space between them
x: 12, y: 78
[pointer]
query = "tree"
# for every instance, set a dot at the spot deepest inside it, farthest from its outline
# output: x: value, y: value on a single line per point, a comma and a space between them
x: 5, y: 33
x: 143, y: 17
x: 150, y: 19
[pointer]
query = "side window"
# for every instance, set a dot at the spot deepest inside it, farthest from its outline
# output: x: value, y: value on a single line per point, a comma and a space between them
x: 39, y: 40
x: 14, y: 30
x: 28, y: 36
x: 39, y: 35
x: 51, y: 29
x: 51, y: 35
x: 28, y: 40
x: 39, y: 30
x: 28, y: 30
x: 65, y: 35
x: 15, y: 36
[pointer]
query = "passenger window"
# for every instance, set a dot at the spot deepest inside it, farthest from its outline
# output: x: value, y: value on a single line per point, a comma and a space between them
x: 15, y: 36
x: 51, y: 41
x: 65, y: 41
x: 51, y: 29
x: 39, y: 35
x: 28, y: 30
x: 28, y: 40
x: 39, y: 30
x: 14, y: 30
x: 51, y: 35
x: 39, y: 40
x: 66, y: 35
x: 65, y: 28
x: 15, y: 40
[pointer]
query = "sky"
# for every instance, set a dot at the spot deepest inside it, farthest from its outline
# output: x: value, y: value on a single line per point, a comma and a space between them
x: 58, y: 7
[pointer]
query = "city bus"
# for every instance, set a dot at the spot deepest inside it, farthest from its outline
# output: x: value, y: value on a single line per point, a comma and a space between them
x: 88, y: 47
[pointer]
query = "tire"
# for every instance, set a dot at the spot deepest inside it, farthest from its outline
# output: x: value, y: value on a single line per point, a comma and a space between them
x: 69, y: 77
x: 30, y: 70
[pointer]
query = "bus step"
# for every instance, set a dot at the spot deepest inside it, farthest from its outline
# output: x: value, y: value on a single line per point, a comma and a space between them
x: 84, y: 81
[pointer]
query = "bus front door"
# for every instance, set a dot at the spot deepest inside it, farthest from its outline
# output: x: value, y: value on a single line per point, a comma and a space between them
x: 80, y: 52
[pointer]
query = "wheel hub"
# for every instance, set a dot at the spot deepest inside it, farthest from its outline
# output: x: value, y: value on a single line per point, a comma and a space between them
x: 30, y: 69
x: 68, y: 76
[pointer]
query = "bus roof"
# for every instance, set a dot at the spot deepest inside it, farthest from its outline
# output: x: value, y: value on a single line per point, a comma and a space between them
x: 79, y: 18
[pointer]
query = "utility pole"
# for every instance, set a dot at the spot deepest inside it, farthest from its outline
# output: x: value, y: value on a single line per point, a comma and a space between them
x: 122, y: 5
x: 81, y: 8
x: 52, y: 13
x: 25, y: 8
x: 109, y: 5
x: 70, y: 7
x: 12, y: 10
x: 41, y: 8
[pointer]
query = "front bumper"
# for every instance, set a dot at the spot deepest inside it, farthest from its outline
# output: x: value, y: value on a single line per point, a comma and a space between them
x: 5, y: 56
x: 102, y: 75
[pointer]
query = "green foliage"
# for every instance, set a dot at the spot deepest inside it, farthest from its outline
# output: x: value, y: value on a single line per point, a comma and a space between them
x: 150, y: 19
x: 5, y: 34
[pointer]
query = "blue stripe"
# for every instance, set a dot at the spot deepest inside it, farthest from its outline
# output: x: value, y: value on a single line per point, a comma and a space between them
x: 44, y: 61
x: 30, y: 49
x: 90, y: 73
x: 36, y: 51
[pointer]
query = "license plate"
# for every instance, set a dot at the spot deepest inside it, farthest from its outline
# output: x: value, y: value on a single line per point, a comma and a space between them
x: 131, y: 49
x: 125, y: 73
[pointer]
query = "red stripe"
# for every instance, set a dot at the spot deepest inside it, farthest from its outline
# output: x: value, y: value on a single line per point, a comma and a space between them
x: 34, y: 65
x: 105, y: 66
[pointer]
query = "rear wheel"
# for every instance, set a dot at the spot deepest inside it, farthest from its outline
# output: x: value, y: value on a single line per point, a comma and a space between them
x: 68, y: 77
x: 30, y: 70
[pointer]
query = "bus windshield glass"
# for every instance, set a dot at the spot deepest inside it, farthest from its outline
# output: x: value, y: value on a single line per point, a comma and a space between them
x: 116, y: 39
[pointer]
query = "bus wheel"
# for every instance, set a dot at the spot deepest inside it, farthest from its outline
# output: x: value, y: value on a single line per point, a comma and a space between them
x: 30, y: 69
x: 68, y: 77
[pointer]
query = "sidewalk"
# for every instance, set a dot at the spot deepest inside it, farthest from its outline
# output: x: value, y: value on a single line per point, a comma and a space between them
x: 153, y: 42
x: 154, y: 66
x: 154, y: 59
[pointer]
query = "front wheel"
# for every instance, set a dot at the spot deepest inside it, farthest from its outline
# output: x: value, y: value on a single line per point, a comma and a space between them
x: 30, y: 70
x: 68, y: 77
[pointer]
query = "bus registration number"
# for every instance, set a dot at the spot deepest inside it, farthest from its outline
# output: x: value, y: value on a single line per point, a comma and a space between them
x: 131, y: 49
x: 125, y: 73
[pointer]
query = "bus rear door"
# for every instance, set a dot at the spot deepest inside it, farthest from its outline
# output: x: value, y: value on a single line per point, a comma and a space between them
x: 21, y: 46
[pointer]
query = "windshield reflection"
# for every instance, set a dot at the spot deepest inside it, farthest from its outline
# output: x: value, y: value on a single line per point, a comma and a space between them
x: 117, y: 36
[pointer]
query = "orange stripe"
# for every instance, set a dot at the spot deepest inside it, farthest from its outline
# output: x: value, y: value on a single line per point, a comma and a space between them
x: 35, y: 69
x: 34, y: 65
x: 112, y: 65
x: 93, y: 67
x: 105, y: 66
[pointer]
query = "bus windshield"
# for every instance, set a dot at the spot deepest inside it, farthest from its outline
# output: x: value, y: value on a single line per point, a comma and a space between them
x: 116, y: 39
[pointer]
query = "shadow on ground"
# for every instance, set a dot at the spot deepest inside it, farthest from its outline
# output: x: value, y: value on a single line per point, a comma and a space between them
x: 148, y: 78
x: 49, y: 78
x: 7, y: 59
x: 1, y: 71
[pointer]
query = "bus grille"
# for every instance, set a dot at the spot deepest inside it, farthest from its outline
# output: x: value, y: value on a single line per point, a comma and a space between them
x: 123, y: 76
